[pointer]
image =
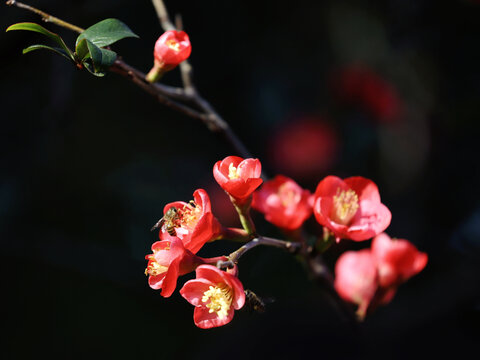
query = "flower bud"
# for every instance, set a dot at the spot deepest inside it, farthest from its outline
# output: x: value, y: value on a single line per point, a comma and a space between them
x: 171, y: 48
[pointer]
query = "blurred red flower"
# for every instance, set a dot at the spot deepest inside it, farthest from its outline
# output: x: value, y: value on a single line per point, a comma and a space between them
x: 350, y: 208
x: 360, y: 86
x: 397, y: 260
x: 356, y: 278
x: 283, y: 202
x: 304, y: 148
x: 215, y: 294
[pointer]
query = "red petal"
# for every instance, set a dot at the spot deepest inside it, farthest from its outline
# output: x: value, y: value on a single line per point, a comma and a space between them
x: 193, y: 290
x: 206, y: 320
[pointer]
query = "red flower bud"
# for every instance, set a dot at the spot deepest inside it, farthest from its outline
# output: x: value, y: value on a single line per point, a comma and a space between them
x: 238, y: 177
x: 192, y: 222
x: 169, y: 260
x: 171, y: 48
x: 356, y: 277
x: 397, y: 260
x: 284, y: 203
x: 350, y: 208
x: 215, y: 294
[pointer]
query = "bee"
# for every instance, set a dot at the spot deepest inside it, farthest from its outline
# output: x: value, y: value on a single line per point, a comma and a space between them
x: 253, y: 302
x: 169, y: 220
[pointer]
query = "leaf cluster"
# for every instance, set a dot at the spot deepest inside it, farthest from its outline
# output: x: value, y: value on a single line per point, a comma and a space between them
x: 91, y: 47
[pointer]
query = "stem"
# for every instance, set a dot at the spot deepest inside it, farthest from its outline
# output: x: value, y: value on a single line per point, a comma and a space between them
x: 181, y: 100
x: 261, y: 240
x: 175, y: 98
x: 46, y: 17
x: 234, y: 234
x: 243, y: 209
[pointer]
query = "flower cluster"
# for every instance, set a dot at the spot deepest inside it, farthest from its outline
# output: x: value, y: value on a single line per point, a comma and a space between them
x: 370, y: 277
x: 348, y: 209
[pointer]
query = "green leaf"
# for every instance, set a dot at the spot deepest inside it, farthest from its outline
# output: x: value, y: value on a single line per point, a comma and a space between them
x: 102, y: 59
x: 106, y: 32
x: 40, y: 46
x: 91, y: 70
x: 81, y: 50
x: 28, y: 26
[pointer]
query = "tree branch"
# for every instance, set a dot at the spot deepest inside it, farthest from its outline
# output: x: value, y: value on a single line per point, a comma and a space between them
x: 187, y: 101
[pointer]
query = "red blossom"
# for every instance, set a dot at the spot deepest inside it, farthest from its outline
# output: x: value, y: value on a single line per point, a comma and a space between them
x: 305, y: 147
x: 283, y: 202
x: 350, y: 208
x: 171, y: 48
x: 238, y: 177
x: 356, y: 277
x: 194, y: 222
x: 397, y: 260
x: 169, y: 260
x: 215, y: 294
x: 361, y: 86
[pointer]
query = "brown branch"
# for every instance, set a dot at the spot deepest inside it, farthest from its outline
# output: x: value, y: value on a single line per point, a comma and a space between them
x: 235, y: 256
x: 45, y: 17
x: 187, y: 101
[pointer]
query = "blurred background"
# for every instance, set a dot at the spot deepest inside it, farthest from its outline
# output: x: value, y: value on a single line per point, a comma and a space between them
x: 384, y: 89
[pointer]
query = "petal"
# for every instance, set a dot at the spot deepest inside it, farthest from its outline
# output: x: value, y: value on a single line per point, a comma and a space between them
x: 193, y: 290
x: 170, y: 281
x: 201, y: 197
x: 220, y: 177
x: 250, y: 168
x: 371, y: 219
x: 364, y: 188
x: 156, y: 281
x: 206, y: 320
x: 328, y: 187
x: 211, y: 273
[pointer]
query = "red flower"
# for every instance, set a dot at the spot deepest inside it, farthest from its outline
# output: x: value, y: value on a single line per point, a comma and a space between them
x: 171, y: 48
x: 284, y: 203
x: 192, y: 222
x: 362, y: 87
x: 169, y: 260
x: 238, y: 177
x: 350, y: 208
x: 397, y: 260
x: 215, y: 294
x: 356, y: 278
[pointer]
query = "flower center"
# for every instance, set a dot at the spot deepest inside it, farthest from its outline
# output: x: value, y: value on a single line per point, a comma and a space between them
x: 154, y: 268
x: 218, y: 299
x: 173, y: 44
x: 233, y: 172
x: 345, y: 206
x: 287, y: 195
x: 190, y: 214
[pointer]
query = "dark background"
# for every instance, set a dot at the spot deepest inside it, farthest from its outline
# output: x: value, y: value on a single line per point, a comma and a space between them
x: 87, y: 165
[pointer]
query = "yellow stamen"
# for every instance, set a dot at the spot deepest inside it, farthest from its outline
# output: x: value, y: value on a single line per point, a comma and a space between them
x: 190, y: 214
x: 345, y: 206
x: 173, y: 44
x: 218, y: 299
x: 232, y: 172
x: 154, y: 268
x: 287, y: 195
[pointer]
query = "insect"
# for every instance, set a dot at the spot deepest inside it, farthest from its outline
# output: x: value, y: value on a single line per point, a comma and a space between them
x: 169, y: 220
x: 253, y: 302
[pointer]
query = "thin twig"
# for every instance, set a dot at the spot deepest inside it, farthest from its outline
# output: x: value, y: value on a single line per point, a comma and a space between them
x: 261, y: 240
x: 45, y: 17
x: 177, y: 99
